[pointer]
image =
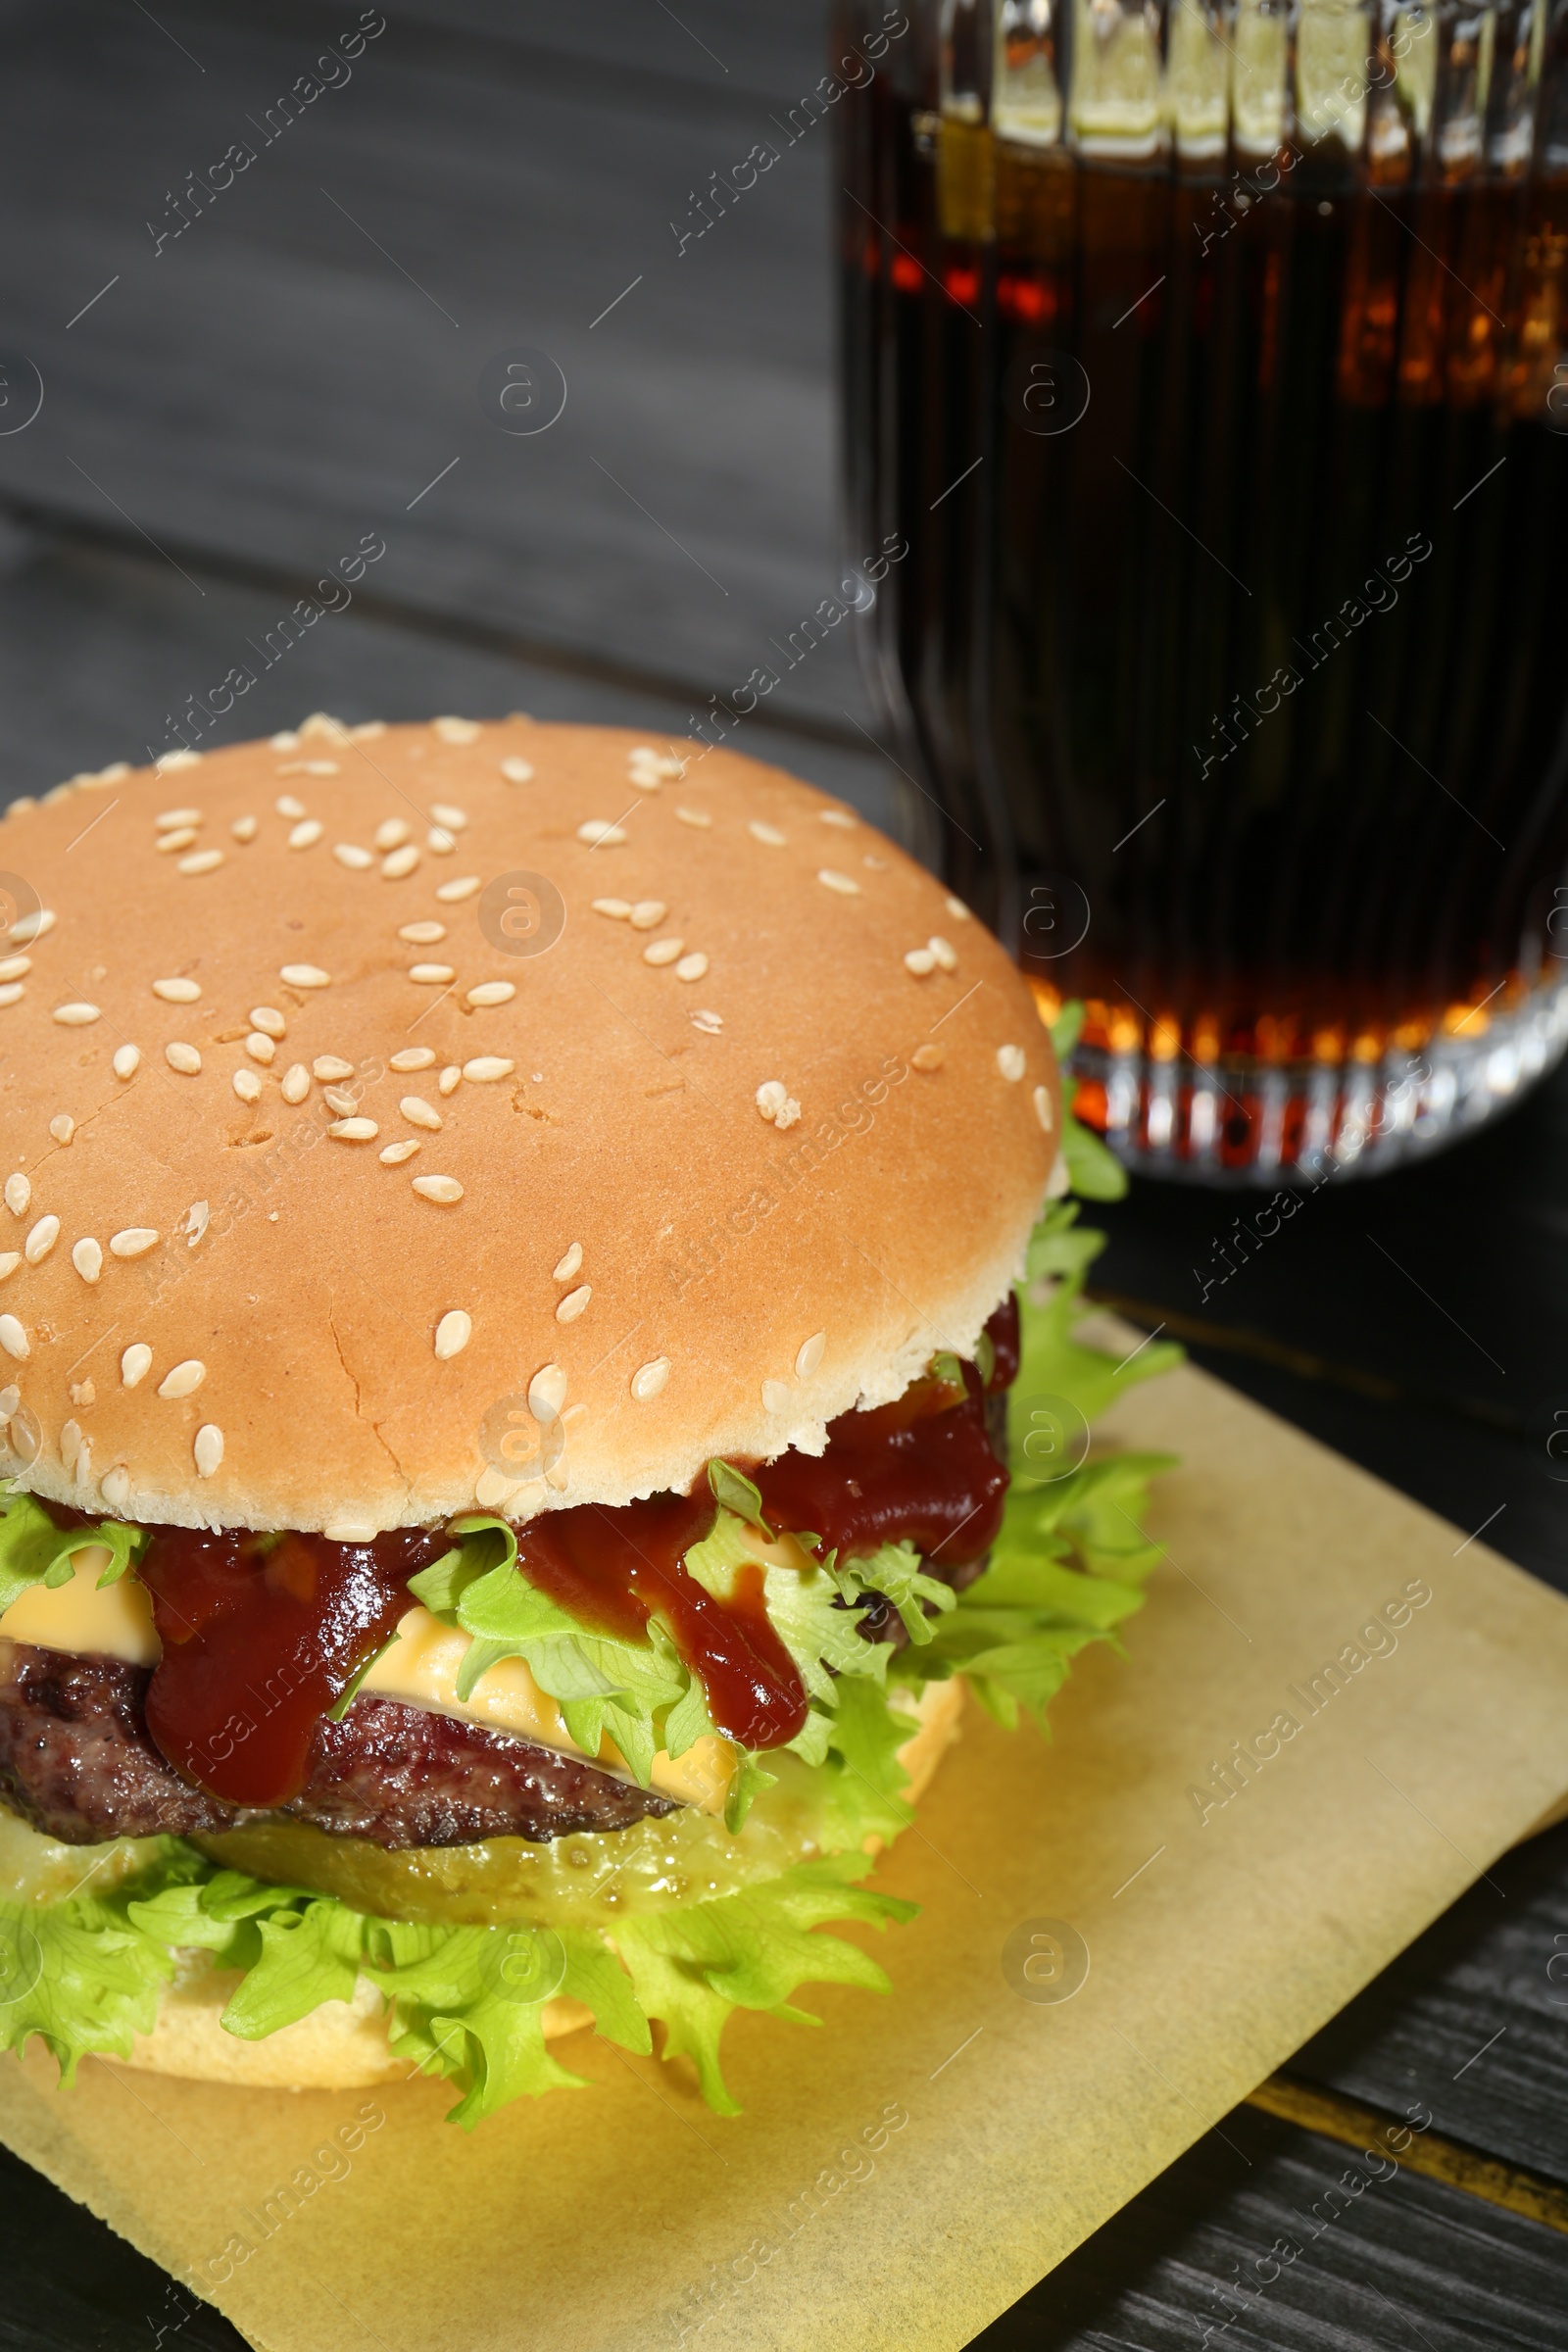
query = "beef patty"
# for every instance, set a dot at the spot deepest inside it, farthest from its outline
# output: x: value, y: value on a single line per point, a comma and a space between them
x: 77, y: 1761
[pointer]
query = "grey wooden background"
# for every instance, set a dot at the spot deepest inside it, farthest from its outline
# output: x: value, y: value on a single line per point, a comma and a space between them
x: 225, y: 416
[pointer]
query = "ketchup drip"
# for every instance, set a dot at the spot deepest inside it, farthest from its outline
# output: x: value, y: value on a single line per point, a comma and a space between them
x: 918, y: 1471
x: 614, y: 1569
x: 261, y: 1636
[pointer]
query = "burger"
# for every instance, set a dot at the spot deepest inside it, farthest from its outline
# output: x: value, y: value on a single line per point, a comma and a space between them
x: 509, y: 1299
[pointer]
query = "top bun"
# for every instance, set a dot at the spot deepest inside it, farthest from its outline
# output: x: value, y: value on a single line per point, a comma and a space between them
x: 706, y: 1144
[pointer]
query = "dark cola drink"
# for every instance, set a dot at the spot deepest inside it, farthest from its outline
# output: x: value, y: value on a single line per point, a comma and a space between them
x: 1213, y: 362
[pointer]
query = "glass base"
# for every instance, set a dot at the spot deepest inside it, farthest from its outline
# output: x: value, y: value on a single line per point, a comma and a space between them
x: 1240, y: 1121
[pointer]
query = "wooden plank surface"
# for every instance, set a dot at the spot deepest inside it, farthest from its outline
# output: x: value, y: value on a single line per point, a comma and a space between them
x: 297, y: 363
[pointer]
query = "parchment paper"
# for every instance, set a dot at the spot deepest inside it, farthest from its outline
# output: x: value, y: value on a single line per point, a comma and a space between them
x: 904, y: 2172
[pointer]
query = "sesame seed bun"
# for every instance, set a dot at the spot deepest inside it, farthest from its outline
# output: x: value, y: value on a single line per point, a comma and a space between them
x: 505, y: 1116
x: 342, y: 2045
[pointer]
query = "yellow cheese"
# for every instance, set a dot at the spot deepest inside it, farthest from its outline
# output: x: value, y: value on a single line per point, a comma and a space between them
x: 421, y: 1668
x: 115, y: 1623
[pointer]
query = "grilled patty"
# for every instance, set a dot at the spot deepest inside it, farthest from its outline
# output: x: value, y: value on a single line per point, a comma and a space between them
x: 77, y: 1761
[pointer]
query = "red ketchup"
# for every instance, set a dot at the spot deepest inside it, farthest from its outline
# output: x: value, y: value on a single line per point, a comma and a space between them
x: 262, y: 1635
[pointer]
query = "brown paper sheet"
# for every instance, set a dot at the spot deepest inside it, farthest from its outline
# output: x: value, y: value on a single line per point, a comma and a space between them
x: 903, y: 2174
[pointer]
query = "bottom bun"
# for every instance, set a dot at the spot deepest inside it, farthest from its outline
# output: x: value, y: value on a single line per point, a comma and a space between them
x: 342, y: 2045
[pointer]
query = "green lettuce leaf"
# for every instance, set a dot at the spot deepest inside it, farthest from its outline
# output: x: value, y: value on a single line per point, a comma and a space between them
x: 34, y: 1551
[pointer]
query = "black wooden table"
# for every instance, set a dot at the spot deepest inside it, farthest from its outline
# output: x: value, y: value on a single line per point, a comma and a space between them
x: 235, y: 389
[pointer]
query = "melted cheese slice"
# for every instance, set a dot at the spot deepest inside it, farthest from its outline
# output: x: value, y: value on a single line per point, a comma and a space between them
x: 421, y: 1668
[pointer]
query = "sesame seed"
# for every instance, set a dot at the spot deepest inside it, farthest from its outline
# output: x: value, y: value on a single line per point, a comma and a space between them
x: 181, y: 759
x: 178, y: 817
x: 842, y: 883
x: 27, y: 929
x: 1010, y: 1063
x: 307, y: 834
x: 9, y: 1260
x: 839, y: 817
x: 134, y: 1242
x: 269, y: 1020
x: 296, y: 1083
x: 13, y: 1339
x: 419, y: 1112
x: 401, y: 863
x: 182, y: 1057
x: 15, y: 967
x: 61, y: 1127
x: 19, y: 1192
x: 692, y: 967
x: 432, y: 975
x: 349, y: 854
x: 259, y: 1046
x: 176, y: 992
x: 450, y: 1079
x: 641, y: 753
x: 1042, y: 1109
x: 312, y: 767
x: 181, y: 839
x: 77, y: 1016
x: 878, y: 865
x: 648, y: 914
x: 243, y: 828
x: 342, y: 1099
x: 518, y: 771
x: 450, y: 893
x: 663, y: 950
x: 115, y: 1487
x: 775, y: 1397
x: 207, y: 1448
x: 928, y: 1057
x: 810, y: 1355
x: 455, y: 730
x: 441, y: 1189
x: 570, y: 1264
x: 444, y: 813
x: 185, y: 1378
x: 12, y: 991
x: 126, y: 1061
x: 200, y: 861
x: 301, y: 975
x: 617, y: 910
x: 958, y: 910
x: 41, y: 1240
x: 599, y: 833
x: 769, y: 835
x: 710, y: 1023
x: 88, y: 1256
x: 490, y: 1489
x: 546, y: 1392
x: 439, y: 842
x: 422, y: 935
x: 776, y: 1105
x: 247, y: 1086
x: 452, y: 1335
x: 392, y: 832
x: 492, y: 992
x: 485, y: 1068
x: 135, y: 1364
x: 695, y: 817
x: 287, y: 805
x: 412, y: 1057
x: 350, y: 1531
x: 919, y: 960
x: 71, y: 1444
x: 284, y: 740
x: 392, y: 1155
x: 945, y: 955
x: 648, y: 1378
x: 195, y: 1222
x: 354, y: 1131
